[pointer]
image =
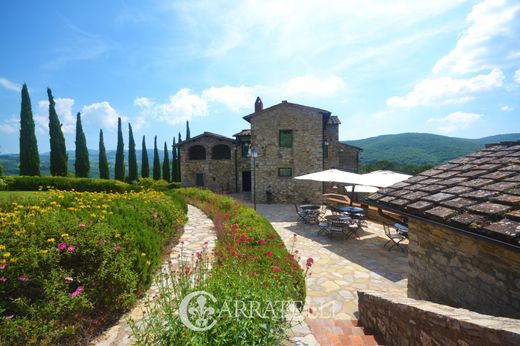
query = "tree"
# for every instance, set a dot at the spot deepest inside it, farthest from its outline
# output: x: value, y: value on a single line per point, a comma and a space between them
x: 156, y: 162
x: 82, y: 163
x: 132, y: 158
x: 103, y: 162
x: 179, y: 159
x: 174, y: 161
x: 187, y: 130
x: 29, y: 158
x: 120, y: 154
x: 59, y: 155
x: 166, y: 164
x: 145, y: 166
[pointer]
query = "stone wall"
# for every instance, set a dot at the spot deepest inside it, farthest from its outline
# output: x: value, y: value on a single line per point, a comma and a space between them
x: 219, y: 175
x: 452, y: 268
x: 405, y: 321
x: 305, y: 156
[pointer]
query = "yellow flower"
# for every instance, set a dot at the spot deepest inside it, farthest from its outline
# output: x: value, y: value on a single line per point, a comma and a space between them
x: 143, y: 254
x: 13, y: 260
x: 50, y: 240
x: 7, y: 255
x: 44, y: 251
x: 53, y: 203
x: 2, y: 260
x: 148, y: 263
x: 64, y: 235
x: 2, y: 247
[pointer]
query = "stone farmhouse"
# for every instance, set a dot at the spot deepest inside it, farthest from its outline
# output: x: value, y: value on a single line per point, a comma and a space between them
x: 289, y: 139
x: 464, y: 253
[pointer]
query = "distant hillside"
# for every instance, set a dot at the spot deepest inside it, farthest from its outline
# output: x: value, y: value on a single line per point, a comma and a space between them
x: 420, y: 148
x: 10, y: 162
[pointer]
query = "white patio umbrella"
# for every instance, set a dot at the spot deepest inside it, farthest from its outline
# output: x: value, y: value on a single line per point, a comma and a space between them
x: 361, y: 188
x: 384, y: 178
x: 334, y: 176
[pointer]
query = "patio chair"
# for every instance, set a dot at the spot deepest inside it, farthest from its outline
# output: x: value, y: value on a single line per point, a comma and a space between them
x: 394, y: 237
x: 323, y: 225
x: 302, y: 214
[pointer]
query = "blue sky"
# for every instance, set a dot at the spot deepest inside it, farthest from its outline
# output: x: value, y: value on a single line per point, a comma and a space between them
x: 448, y: 66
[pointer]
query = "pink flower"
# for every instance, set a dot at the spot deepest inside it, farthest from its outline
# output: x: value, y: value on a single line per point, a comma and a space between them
x: 69, y: 278
x: 261, y: 242
x: 23, y: 278
x: 62, y: 246
x: 71, y: 248
x: 276, y: 270
x: 310, y: 311
x: 2, y: 279
x: 81, y: 225
x: 187, y: 270
x: 310, y: 262
x: 117, y: 247
x: 3, y: 265
x: 77, y: 292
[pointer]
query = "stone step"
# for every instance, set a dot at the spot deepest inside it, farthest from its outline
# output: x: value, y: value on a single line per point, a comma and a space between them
x: 341, y: 332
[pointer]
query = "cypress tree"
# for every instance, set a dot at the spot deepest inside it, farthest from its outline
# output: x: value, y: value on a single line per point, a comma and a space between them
x: 174, y: 161
x: 166, y: 164
x: 145, y: 166
x: 29, y: 158
x: 132, y: 158
x: 156, y: 162
x: 59, y: 155
x: 120, y: 154
x: 179, y: 159
x: 187, y: 130
x: 103, y: 162
x: 82, y: 163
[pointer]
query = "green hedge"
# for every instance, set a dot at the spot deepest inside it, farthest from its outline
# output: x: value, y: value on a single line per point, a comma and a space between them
x: 70, y: 262
x: 30, y: 183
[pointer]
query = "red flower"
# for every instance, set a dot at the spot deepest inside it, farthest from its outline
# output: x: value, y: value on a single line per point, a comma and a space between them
x: 187, y: 270
x: 310, y: 262
x: 117, y: 247
x: 22, y: 278
x: 261, y: 242
x: 272, y: 236
x: 310, y: 311
x: 276, y: 270
x: 269, y: 253
x: 2, y: 279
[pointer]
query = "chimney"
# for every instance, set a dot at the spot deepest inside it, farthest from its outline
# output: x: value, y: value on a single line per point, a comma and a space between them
x: 259, y: 106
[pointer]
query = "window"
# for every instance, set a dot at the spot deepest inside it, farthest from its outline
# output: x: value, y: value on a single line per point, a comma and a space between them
x: 199, y: 179
x: 197, y: 152
x: 286, y: 138
x: 285, y: 172
x: 246, y: 149
x: 221, y: 152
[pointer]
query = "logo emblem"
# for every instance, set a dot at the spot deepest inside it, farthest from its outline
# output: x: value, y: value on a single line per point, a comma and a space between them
x: 195, y: 312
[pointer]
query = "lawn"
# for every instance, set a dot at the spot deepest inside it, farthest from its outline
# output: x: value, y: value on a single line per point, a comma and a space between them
x: 26, y: 196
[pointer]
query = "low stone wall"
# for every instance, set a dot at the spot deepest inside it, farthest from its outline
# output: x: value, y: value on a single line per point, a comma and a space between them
x: 405, y: 321
x: 451, y: 268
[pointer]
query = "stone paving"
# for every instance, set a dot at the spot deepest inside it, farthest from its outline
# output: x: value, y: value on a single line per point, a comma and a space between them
x: 198, y: 230
x: 341, y: 266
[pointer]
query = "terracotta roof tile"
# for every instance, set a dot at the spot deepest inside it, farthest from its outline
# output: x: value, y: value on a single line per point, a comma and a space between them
x: 446, y: 174
x: 479, y: 194
x: 515, y: 168
x: 513, y: 178
x: 476, y: 182
x: 442, y: 213
x: 505, y: 229
x: 514, y: 215
x: 474, y: 173
x: 432, y: 188
x: 453, y: 181
x: 420, y: 205
x: 431, y: 172
x: 438, y: 197
x: 506, y: 199
x: 504, y: 186
x: 458, y: 190
x: 416, y: 179
x: 459, y: 203
x: 469, y: 220
x: 498, y: 175
x: 489, y: 208
x: 400, y: 202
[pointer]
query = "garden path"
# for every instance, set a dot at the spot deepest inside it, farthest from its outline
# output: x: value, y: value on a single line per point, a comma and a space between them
x: 198, y: 230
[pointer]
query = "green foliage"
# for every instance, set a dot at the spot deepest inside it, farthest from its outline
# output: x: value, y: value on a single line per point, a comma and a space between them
x: 156, y: 161
x: 132, y: 158
x: 82, y: 163
x: 1, y: 170
x: 59, y: 157
x: 251, y: 265
x: 179, y: 173
x: 166, y: 164
x: 145, y: 165
x: 3, y: 185
x: 392, y: 166
x: 174, y: 162
x: 31, y: 183
x: 120, y: 154
x: 29, y: 158
x: 103, y: 162
x: 187, y: 130
x: 73, y: 261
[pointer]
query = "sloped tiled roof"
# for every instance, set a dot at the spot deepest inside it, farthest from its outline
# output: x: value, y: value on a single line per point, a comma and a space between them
x: 206, y: 134
x: 243, y: 133
x: 287, y: 104
x: 334, y: 120
x: 479, y: 193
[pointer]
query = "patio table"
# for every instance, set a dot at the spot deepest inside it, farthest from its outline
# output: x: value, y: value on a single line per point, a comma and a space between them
x: 341, y: 224
x: 309, y: 206
x: 401, y: 229
x: 351, y: 210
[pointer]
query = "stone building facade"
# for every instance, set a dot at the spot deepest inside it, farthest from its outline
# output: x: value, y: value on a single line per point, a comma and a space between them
x: 289, y: 139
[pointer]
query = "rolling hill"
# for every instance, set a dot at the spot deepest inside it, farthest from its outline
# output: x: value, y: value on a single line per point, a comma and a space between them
x: 420, y: 148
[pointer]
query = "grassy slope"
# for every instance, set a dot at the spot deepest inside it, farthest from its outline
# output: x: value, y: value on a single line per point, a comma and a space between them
x: 414, y: 148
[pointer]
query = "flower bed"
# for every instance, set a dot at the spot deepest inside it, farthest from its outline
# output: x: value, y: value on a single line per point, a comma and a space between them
x: 70, y: 261
x: 252, y: 267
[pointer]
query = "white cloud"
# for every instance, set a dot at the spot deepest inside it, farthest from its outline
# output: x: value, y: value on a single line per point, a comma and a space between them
x: 6, y: 83
x: 506, y: 108
x: 447, y: 90
x: 314, y: 86
x: 101, y: 114
x: 63, y: 109
x: 235, y: 98
x: 140, y: 123
x: 490, y: 40
x: 10, y: 125
x: 517, y: 76
x: 182, y: 106
x: 143, y: 102
x: 455, y: 121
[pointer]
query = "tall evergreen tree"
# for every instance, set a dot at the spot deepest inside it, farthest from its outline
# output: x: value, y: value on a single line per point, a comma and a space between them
x: 103, y: 162
x: 82, y: 163
x: 29, y: 158
x: 145, y: 166
x: 174, y: 161
x: 166, y: 164
x: 156, y: 162
x: 132, y: 158
x: 59, y: 155
x: 120, y: 154
x: 179, y: 173
x: 187, y: 130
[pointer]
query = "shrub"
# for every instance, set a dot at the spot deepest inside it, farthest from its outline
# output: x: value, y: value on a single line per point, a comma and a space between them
x: 3, y: 185
x: 251, y: 265
x: 29, y: 183
x: 70, y: 262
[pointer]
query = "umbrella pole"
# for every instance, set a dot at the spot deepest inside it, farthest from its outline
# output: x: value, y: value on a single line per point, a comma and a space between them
x: 352, y: 196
